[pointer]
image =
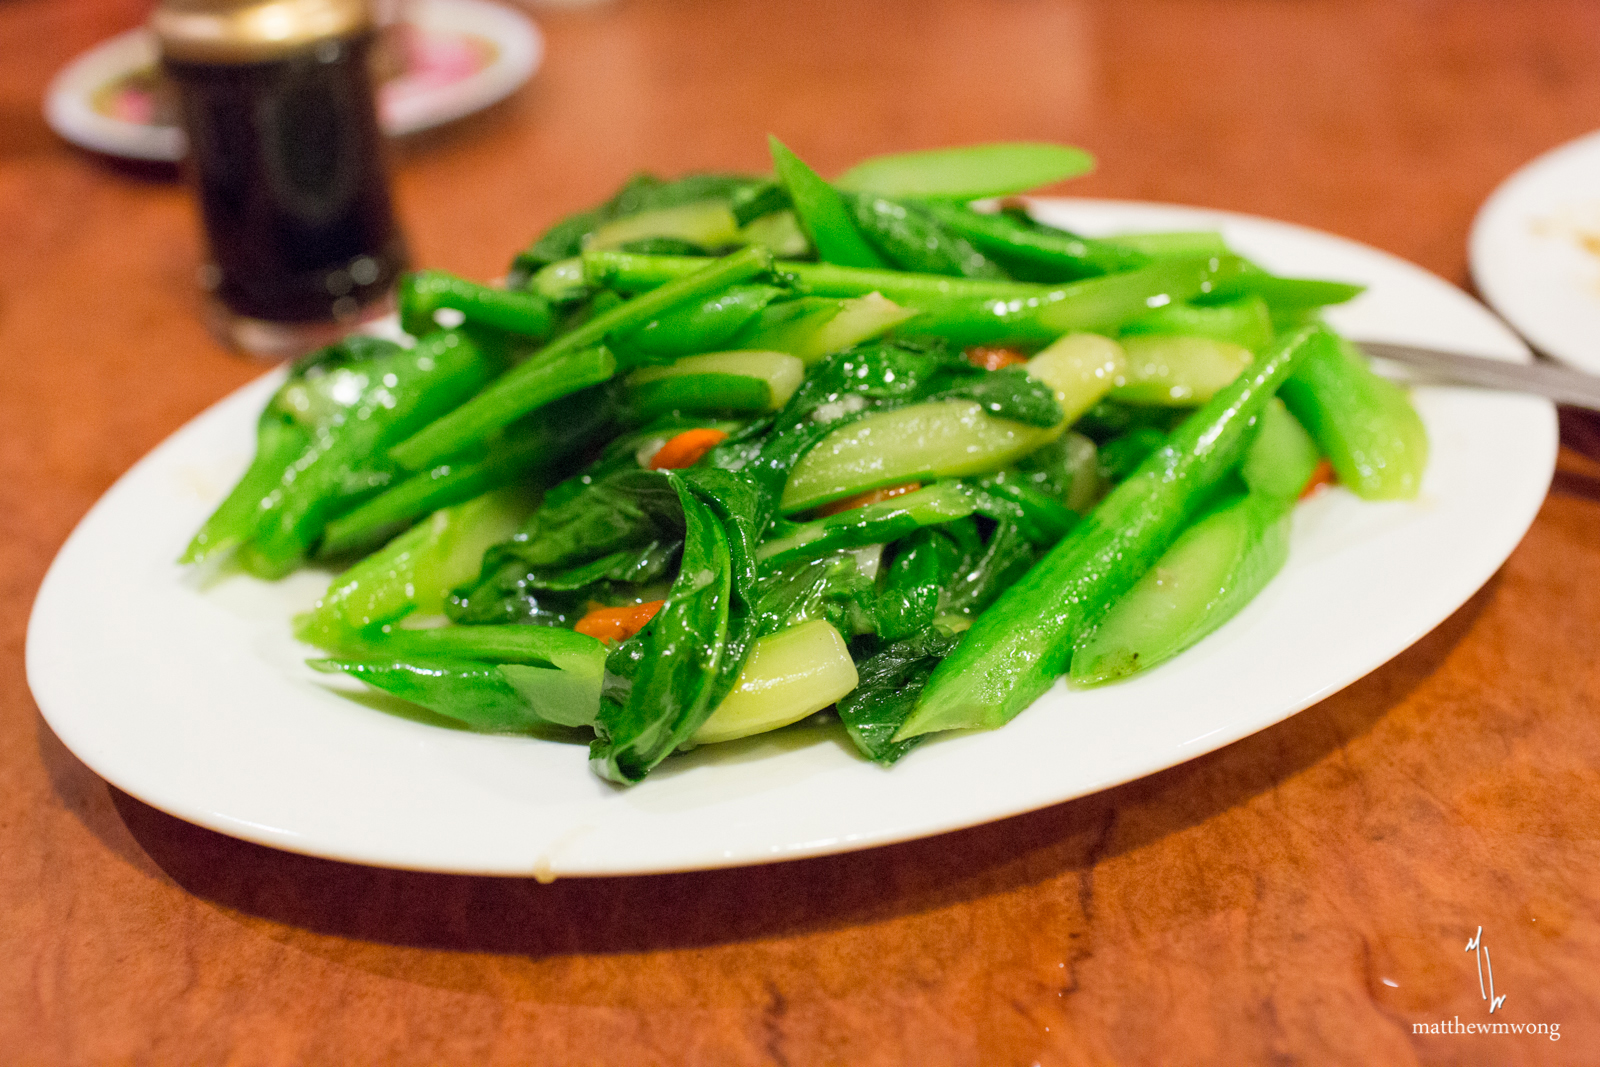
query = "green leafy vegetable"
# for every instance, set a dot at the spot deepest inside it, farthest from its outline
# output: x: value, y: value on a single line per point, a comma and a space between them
x: 684, y: 655
x: 923, y: 564
x: 1052, y: 523
x: 1282, y: 458
x: 424, y: 293
x: 567, y: 364
x: 623, y: 531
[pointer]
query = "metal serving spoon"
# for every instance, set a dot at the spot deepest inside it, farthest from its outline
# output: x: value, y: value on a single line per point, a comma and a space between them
x: 1541, y: 379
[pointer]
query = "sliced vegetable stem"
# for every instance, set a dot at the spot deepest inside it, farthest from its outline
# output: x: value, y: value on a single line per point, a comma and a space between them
x: 425, y: 292
x: 1017, y: 649
x: 528, y: 388
x: 573, y: 361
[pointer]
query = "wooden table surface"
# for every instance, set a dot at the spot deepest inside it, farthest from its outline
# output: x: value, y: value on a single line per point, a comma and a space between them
x: 1302, y: 896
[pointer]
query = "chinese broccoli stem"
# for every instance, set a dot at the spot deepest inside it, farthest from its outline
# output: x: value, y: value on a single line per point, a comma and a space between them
x: 398, y: 507
x: 279, y: 441
x: 527, y: 388
x: 968, y: 310
x: 1017, y: 649
x: 345, y: 458
x: 1212, y: 570
x: 1094, y: 304
x: 1364, y: 424
x: 1014, y: 239
x: 573, y: 361
x: 635, y: 272
x: 425, y: 292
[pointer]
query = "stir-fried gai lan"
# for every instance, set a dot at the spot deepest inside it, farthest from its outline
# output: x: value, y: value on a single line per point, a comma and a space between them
x: 728, y: 451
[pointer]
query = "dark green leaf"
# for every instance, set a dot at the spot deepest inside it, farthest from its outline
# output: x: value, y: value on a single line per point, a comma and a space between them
x: 921, y: 565
x: 390, y: 396
x: 754, y: 201
x: 891, y: 681
x: 1005, y: 557
x: 625, y: 530
x: 1112, y: 418
x: 1041, y: 519
x: 913, y: 240
x: 681, y: 654
x: 829, y: 587
x: 643, y: 192
x: 468, y: 691
x: 1008, y: 393
x: 1031, y: 251
x: 1121, y: 456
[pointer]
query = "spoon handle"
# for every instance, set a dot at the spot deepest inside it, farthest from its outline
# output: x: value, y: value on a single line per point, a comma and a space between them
x: 1541, y: 379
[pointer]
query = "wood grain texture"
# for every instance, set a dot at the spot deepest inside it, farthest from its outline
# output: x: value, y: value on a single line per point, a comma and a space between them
x: 1302, y: 896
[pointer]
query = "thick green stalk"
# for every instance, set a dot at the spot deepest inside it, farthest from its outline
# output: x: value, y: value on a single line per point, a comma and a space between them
x: 427, y: 291
x: 968, y: 172
x: 496, y: 678
x: 1018, y: 648
x: 966, y: 310
x: 346, y: 461
x: 1095, y: 304
x: 1286, y: 295
x: 1055, y: 250
x: 712, y: 391
x: 1283, y: 457
x: 872, y: 524
x: 705, y: 276
x: 1212, y: 570
x: 705, y: 325
x: 279, y: 442
x: 447, y: 484
x: 633, y: 272
x: 529, y: 645
x: 1246, y: 321
x: 1364, y: 424
x: 416, y: 571
x: 527, y: 388
x: 530, y: 450
x: 571, y: 362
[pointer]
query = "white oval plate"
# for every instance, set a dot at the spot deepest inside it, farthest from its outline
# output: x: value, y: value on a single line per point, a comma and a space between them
x: 1535, y: 252
x: 415, y: 101
x: 199, y: 702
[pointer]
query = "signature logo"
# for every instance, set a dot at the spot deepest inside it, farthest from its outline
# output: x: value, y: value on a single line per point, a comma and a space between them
x: 1496, y: 1002
x: 1485, y: 963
